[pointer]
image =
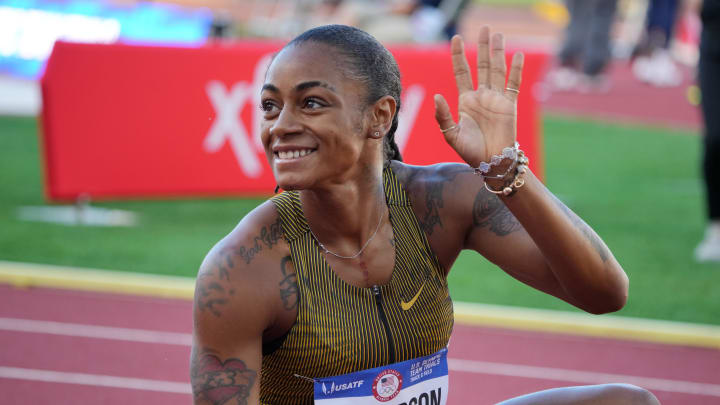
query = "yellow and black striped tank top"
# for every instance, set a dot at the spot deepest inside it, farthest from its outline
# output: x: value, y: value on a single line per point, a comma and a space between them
x: 341, y: 328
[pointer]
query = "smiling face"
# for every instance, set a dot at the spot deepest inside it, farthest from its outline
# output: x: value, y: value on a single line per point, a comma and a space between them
x: 315, y: 120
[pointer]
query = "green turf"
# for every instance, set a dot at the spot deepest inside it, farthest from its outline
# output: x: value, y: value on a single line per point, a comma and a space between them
x: 172, y: 238
x: 640, y: 189
x: 637, y: 186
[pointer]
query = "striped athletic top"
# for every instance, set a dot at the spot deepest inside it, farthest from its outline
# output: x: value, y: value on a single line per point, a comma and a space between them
x: 341, y: 328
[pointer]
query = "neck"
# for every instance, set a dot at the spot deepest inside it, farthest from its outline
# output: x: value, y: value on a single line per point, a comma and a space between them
x: 344, y: 216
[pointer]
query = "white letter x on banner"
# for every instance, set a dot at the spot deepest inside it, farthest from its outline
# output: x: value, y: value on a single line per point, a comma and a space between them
x: 227, y: 125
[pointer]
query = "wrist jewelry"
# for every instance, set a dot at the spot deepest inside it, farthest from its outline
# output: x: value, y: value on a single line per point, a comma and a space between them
x: 510, y: 152
x: 514, y: 177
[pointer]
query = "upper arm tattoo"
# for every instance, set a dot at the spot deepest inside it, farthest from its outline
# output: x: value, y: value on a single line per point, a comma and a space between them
x: 220, y: 381
x: 489, y: 211
x: 213, y: 287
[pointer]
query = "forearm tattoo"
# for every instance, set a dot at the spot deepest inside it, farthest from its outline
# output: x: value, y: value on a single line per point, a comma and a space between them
x: 489, y: 211
x: 221, y: 382
x: 589, y: 234
x: 288, y: 285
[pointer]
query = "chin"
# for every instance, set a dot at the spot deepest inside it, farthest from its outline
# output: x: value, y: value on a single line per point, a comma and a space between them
x: 289, y: 187
x: 290, y: 183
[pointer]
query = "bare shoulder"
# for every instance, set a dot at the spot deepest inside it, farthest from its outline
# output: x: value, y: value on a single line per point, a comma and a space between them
x: 442, y: 197
x: 439, y: 190
x: 241, y: 271
x: 413, y: 177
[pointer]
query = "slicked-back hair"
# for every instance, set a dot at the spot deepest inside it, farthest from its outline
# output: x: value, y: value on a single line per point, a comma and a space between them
x: 366, y: 60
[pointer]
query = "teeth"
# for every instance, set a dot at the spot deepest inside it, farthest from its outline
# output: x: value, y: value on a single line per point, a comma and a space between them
x: 294, y: 154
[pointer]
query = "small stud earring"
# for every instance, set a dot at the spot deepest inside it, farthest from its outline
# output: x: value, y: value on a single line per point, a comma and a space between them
x: 376, y: 134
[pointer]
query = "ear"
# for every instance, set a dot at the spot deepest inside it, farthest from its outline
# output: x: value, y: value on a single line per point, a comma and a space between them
x: 383, y: 112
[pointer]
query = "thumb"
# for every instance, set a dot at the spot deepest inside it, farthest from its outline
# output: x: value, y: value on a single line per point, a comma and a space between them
x: 444, y: 117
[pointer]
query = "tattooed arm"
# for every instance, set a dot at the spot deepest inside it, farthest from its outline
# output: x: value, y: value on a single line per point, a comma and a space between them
x: 532, y: 235
x: 238, y: 304
x: 535, y: 238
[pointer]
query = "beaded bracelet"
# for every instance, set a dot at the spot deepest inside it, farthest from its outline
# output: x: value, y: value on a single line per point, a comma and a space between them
x: 519, y: 165
x: 510, y: 152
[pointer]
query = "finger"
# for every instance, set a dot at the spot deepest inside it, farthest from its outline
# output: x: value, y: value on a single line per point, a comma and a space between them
x: 461, y: 69
x: 498, y: 68
x: 515, y: 78
x: 444, y: 118
x: 483, y: 57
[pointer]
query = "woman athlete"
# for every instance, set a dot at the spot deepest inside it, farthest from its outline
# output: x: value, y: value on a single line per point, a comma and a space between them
x: 346, y: 269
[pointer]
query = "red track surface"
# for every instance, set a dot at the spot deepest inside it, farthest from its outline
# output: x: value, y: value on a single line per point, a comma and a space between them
x: 487, y: 365
x: 629, y: 100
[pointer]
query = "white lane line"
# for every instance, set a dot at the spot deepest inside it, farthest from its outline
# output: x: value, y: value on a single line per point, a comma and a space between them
x: 94, y: 380
x: 470, y: 366
x: 582, y: 377
x: 477, y: 367
x: 93, y: 331
x: 526, y: 319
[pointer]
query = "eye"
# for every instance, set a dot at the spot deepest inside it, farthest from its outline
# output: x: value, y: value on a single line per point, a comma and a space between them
x: 268, y: 107
x: 313, y: 103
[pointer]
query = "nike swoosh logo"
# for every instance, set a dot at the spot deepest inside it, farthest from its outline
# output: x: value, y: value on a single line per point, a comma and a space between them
x: 407, y: 305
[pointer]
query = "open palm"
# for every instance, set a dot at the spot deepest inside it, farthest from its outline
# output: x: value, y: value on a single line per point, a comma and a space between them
x: 487, y: 115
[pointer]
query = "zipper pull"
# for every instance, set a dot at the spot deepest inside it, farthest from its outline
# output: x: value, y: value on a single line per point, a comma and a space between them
x: 376, y: 290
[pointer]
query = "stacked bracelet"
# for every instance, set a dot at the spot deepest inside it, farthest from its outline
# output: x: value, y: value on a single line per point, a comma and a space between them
x: 514, y: 176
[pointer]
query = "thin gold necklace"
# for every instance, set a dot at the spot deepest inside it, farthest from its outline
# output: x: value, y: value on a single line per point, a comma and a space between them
x: 326, y: 250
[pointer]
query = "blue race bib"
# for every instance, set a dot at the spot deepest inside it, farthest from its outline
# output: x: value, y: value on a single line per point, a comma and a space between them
x: 420, y: 381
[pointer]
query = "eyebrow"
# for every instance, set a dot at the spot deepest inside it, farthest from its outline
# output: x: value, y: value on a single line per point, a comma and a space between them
x: 270, y: 87
x: 301, y: 87
x: 315, y: 83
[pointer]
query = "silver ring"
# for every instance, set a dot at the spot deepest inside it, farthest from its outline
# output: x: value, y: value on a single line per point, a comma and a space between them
x: 449, y: 129
x: 516, y: 91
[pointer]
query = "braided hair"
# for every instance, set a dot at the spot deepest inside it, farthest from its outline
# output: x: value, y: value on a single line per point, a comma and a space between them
x: 366, y: 60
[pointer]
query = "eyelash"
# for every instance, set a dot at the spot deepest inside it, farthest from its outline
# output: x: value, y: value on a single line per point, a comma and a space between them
x: 313, y: 100
x: 266, y: 106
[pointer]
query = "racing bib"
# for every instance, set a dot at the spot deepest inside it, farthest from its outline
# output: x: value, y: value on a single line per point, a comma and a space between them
x: 420, y: 381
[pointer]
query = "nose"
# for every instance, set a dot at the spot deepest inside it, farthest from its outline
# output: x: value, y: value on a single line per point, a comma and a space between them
x: 287, y: 123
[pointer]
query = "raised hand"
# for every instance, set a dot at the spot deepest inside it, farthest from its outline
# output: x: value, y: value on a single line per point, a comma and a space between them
x: 487, y: 115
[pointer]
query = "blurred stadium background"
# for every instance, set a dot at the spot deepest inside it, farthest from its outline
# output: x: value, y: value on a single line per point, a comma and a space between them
x: 626, y: 161
x: 95, y: 156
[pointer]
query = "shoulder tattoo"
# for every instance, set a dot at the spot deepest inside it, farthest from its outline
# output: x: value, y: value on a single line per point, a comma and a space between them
x: 213, y: 287
x: 433, y: 203
x: 434, y: 199
x: 268, y: 237
x: 220, y: 381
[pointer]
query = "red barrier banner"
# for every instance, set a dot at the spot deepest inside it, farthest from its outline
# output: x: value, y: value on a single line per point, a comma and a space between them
x: 124, y: 121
